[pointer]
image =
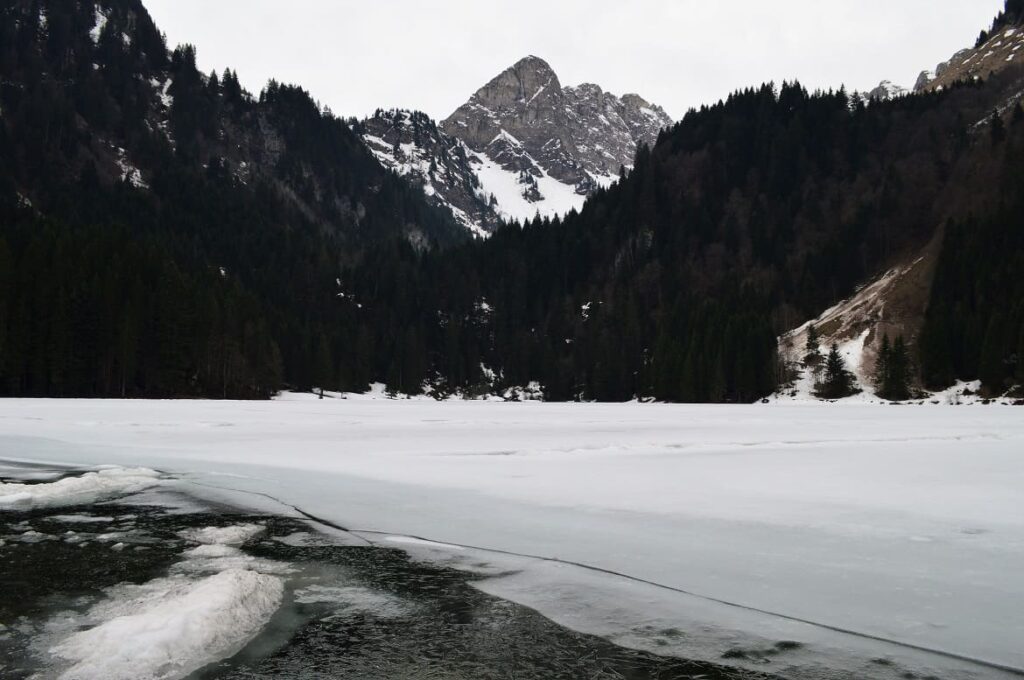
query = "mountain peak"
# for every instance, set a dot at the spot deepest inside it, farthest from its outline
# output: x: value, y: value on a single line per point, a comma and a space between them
x: 579, y: 136
x: 532, y: 61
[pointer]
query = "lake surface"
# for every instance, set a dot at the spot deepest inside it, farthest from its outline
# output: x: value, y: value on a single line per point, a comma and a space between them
x: 348, y: 610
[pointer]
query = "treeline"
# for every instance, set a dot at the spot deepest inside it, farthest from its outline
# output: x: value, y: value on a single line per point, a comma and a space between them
x: 975, y: 322
x: 95, y: 312
x: 1012, y: 15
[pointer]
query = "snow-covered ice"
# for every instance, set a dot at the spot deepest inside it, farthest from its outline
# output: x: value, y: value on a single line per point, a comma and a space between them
x: 899, y: 523
x: 233, y: 535
x: 79, y: 519
x: 170, y: 627
x: 87, y: 488
x: 214, y: 601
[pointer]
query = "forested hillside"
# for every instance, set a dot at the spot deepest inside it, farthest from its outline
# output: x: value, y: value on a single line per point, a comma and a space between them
x: 164, y: 232
x: 746, y: 219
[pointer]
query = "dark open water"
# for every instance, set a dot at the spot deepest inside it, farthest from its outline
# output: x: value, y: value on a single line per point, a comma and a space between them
x: 398, y: 618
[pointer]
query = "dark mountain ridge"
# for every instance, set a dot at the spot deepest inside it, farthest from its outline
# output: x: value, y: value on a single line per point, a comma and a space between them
x: 744, y: 220
x: 225, y: 218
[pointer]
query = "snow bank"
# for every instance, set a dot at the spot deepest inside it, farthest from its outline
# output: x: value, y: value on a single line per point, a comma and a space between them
x: 88, y: 488
x: 171, y: 627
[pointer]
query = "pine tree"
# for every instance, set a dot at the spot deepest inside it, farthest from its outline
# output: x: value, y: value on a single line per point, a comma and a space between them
x: 893, y: 373
x: 900, y: 371
x: 838, y: 381
x: 812, y: 348
x: 997, y: 128
x: 882, y: 366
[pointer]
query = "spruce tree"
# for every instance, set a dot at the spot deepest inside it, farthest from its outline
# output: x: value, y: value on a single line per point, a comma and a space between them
x: 838, y: 381
x: 893, y: 373
x: 899, y: 371
x: 997, y: 128
x: 882, y: 366
x: 812, y: 349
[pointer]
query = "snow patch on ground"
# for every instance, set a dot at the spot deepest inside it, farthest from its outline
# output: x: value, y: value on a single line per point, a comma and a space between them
x: 558, y: 198
x: 129, y: 172
x: 850, y: 325
x: 102, y: 16
x: 87, y: 488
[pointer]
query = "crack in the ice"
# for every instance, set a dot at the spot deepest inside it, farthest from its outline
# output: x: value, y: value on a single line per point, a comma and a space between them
x: 300, y: 511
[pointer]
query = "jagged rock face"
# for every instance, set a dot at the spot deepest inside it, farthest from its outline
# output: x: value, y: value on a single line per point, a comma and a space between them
x: 923, y: 80
x: 580, y: 136
x: 525, y: 102
x: 522, y: 146
x: 1004, y: 48
x: 411, y: 144
x: 607, y: 129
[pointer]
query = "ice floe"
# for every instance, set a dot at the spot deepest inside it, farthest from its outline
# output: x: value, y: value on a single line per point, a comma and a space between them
x: 87, y: 488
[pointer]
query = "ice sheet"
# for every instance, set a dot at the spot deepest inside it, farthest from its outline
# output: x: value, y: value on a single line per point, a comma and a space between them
x: 214, y: 601
x: 171, y: 627
x: 905, y: 523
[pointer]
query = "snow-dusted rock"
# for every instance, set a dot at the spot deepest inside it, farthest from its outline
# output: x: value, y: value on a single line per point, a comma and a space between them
x: 580, y: 136
x: 522, y: 146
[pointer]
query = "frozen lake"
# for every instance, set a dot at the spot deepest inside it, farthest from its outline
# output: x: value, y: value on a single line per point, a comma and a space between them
x: 884, y: 540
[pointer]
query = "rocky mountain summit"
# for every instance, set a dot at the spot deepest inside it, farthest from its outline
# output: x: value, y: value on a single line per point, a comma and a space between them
x: 886, y: 90
x: 522, y: 146
x: 528, y: 122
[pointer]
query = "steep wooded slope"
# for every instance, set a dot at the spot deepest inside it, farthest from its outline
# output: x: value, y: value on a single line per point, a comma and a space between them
x: 164, y: 232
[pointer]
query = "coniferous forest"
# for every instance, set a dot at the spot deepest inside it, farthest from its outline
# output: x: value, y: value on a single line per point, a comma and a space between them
x: 164, y: 233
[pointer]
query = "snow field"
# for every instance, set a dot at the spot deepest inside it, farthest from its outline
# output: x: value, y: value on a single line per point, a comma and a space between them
x: 904, y: 524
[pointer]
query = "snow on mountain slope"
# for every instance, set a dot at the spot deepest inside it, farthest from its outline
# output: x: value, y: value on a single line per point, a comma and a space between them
x: 886, y: 90
x: 1003, y: 49
x: 411, y: 144
x: 893, y: 304
x: 523, y: 146
x: 522, y: 196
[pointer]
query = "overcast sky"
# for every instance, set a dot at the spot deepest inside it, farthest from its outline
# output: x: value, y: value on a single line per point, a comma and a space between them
x: 358, y: 55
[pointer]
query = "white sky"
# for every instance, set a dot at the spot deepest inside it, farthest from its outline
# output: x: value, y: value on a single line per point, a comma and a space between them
x: 358, y: 55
